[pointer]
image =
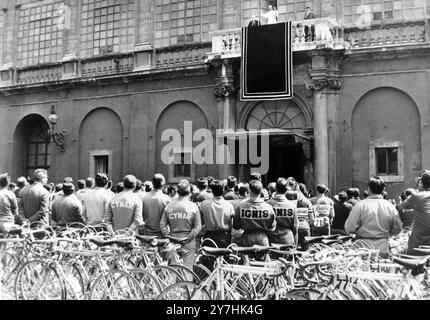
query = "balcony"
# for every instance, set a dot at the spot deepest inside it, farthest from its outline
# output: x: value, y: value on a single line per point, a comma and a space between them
x: 388, y: 35
x: 328, y: 34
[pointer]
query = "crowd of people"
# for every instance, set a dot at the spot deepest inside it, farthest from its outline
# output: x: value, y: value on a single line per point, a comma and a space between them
x: 224, y: 211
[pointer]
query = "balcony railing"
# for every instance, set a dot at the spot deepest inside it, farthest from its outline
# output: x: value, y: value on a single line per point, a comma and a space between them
x: 39, y: 73
x: 181, y: 55
x: 320, y: 32
x: 107, y: 65
x: 387, y: 35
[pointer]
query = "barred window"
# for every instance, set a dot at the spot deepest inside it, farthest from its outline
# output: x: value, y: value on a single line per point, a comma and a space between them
x: 38, y: 148
x: 184, y: 21
x: 106, y: 26
x: 39, y: 40
x: 374, y: 11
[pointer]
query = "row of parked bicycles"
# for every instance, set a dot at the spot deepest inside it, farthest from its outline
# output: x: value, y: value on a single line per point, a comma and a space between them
x: 82, y: 262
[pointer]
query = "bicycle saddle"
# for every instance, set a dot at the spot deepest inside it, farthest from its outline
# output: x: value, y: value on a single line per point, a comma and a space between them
x: 123, y: 243
x: 243, y: 250
x: 216, y: 251
x: 411, y: 264
x: 345, y: 238
x: 146, y: 239
x: 103, y: 243
x: 314, y: 239
x: 15, y: 231
x: 177, y: 240
x: 280, y: 246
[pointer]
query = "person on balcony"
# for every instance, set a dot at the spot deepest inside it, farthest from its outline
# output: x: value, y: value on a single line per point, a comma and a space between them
x: 254, y: 22
x: 309, y: 30
x: 271, y: 15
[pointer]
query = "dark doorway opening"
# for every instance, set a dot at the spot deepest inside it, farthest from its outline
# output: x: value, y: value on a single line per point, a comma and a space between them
x: 285, y: 159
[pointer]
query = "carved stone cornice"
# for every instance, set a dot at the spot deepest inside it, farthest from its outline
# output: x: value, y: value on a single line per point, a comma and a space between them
x: 321, y: 84
x: 223, y: 90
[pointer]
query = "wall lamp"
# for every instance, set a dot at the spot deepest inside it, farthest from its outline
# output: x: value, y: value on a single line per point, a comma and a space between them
x: 57, y: 138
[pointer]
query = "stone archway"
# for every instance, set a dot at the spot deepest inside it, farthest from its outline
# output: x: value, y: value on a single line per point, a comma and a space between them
x: 31, y: 146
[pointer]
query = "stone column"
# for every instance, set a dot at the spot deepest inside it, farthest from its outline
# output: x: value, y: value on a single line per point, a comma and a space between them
x: 70, y: 24
x: 325, y: 83
x: 143, y: 51
x: 226, y: 109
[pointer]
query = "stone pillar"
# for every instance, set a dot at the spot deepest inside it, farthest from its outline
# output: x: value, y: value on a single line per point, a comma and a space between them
x: 71, y: 31
x: 326, y: 84
x: 143, y: 51
x: 226, y: 109
x: 7, y: 68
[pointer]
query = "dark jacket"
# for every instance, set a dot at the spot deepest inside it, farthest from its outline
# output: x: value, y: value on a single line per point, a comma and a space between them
x: 35, y: 202
x: 66, y: 210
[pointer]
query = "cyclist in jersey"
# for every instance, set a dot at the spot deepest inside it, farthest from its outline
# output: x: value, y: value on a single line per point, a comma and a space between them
x: 286, y: 217
x: 255, y: 217
x: 324, y: 212
x: 181, y: 219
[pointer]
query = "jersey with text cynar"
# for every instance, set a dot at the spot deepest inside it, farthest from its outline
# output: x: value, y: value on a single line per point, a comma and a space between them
x: 254, y: 216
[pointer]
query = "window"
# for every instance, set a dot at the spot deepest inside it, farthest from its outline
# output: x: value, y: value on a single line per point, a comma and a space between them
x: 39, y: 40
x: 38, y: 148
x: 1, y: 36
x: 100, y: 162
x: 386, y: 160
x: 382, y: 10
x: 293, y: 10
x: 106, y: 26
x: 182, y: 167
x: 184, y: 21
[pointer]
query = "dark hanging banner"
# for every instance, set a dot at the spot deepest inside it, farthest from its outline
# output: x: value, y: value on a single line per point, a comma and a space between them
x: 267, y: 62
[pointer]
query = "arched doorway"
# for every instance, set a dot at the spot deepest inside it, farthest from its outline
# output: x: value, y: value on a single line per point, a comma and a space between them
x: 32, y: 148
x: 286, y: 122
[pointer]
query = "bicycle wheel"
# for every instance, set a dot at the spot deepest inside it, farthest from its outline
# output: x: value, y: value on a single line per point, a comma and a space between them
x: 166, y: 275
x: 9, y: 266
x: 116, y: 285
x: 186, y: 274
x: 201, y: 271
x: 185, y: 290
x: 149, y: 284
x: 302, y: 294
x: 39, y: 281
x: 74, y: 282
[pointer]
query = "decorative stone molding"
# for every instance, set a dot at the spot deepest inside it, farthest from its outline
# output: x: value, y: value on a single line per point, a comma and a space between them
x: 321, y: 84
x: 224, y: 90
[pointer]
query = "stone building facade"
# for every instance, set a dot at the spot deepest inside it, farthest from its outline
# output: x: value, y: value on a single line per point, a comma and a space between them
x: 117, y: 73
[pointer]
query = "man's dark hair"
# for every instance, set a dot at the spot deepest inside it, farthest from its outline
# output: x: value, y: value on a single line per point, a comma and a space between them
x: 129, y: 181
x: 356, y: 193
x: 281, y: 185
x: 217, y: 188
x: 81, y: 184
x: 385, y: 195
x: 425, y: 179
x: 342, y: 196
x: 303, y: 189
x: 231, y: 182
x: 184, y: 188
x: 12, y: 185
x: 101, y: 180
x: 376, y: 185
x: 350, y: 193
x: 255, y: 176
x: 21, y: 182
x: 119, y: 187
x: 291, y: 195
x: 48, y: 187
x: 139, y: 185
x: 172, y: 188
x: 90, y: 182
x: 244, y: 189
x: 255, y: 187
x: 292, y: 183
x: 148, y: 186
x: 321, y: 188
x: 271, y: 187
x: 58, y: 187
x: 202, y: 183
x: 68, y: 188
x: 110, y: 184
x: 365, y: 194
x: 4, y: 180
x: 158, y: 181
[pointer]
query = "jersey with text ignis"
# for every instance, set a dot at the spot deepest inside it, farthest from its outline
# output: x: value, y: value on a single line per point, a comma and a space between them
x: 254, y: 216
